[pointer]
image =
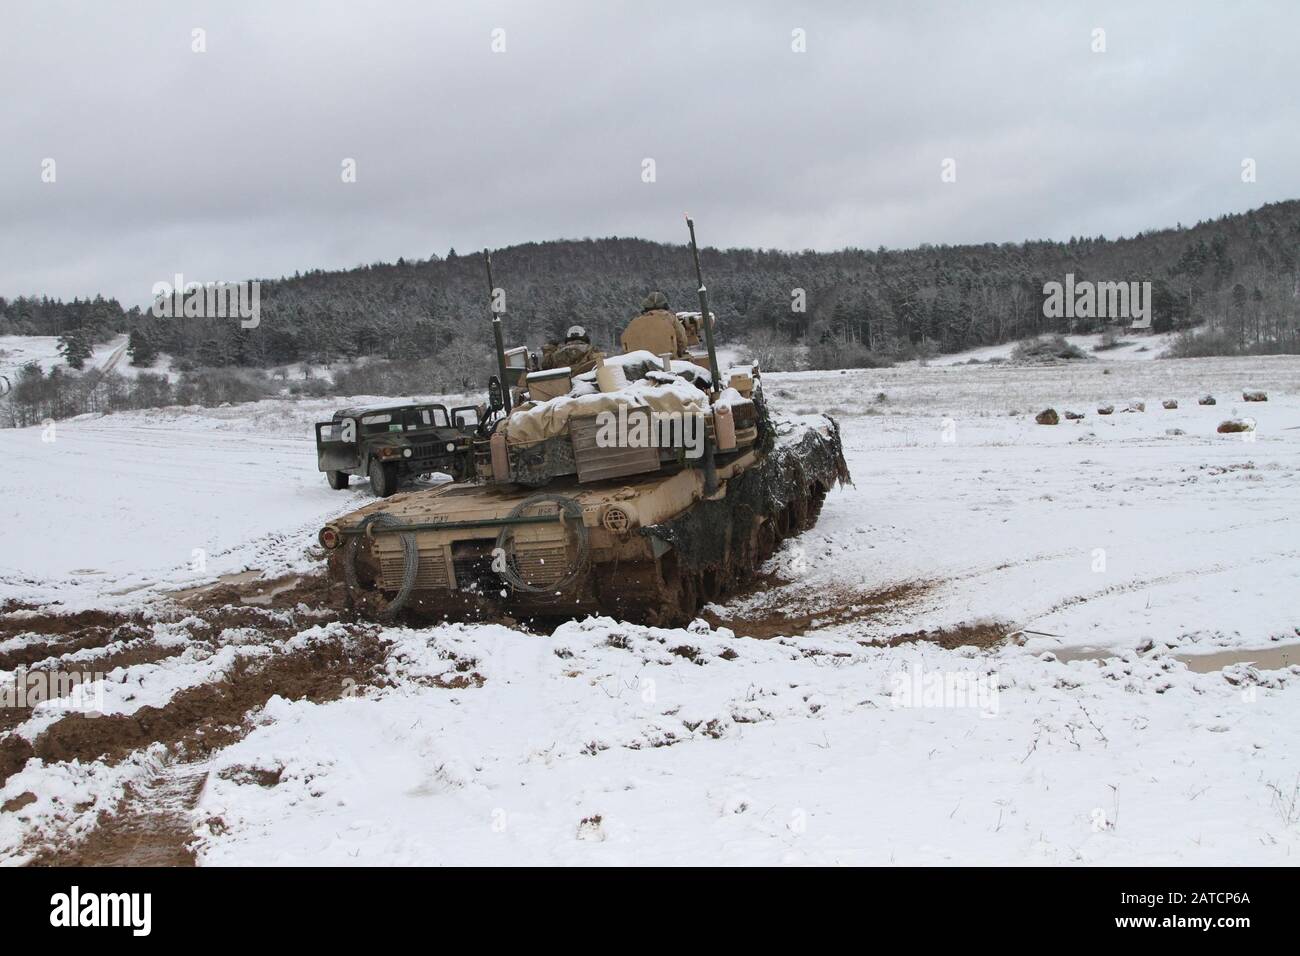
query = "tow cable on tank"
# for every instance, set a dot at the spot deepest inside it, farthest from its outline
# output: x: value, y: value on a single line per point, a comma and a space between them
x: 569, y: 508
x: 410, y: 560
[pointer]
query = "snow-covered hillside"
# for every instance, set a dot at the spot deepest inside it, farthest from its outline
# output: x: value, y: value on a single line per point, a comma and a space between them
x: 17, y: 350
x: 859, y: 708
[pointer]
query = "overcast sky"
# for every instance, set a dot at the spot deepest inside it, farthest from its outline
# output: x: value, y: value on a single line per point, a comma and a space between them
x: 228, y: 163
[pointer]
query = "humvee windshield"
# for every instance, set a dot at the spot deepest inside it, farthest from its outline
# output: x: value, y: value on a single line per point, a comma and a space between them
x: 378, y: 424
x: 404, y: 419
x: 432, y: 416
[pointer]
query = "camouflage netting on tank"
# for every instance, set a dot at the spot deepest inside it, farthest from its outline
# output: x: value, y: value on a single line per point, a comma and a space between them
x: 537, y: 464
x: 700, y: 534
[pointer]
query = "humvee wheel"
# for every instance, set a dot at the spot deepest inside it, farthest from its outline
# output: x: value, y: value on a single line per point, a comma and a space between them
x: 338, y: 479
x: 383, y: 478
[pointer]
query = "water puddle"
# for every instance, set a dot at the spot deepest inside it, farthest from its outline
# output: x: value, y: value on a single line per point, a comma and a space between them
x: 1264, y: 658
x: 265, y: 597
x: 239, y: 577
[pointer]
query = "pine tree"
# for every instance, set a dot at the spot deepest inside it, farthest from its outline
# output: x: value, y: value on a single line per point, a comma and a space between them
x: 75, y: 348
x: 141, y: 349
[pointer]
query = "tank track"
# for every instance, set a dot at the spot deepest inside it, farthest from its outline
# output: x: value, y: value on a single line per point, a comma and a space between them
x: 717, y: 547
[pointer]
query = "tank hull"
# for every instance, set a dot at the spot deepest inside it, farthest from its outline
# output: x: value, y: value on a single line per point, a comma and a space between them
x: 649, y: 549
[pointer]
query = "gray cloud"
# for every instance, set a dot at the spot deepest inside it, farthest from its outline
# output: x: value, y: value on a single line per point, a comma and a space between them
x: 226, y: 164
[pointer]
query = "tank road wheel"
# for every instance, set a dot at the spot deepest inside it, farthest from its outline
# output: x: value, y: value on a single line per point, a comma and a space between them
x: 631, y: 591
x: 679, y: 595
x: 383, y: 478
x: 712, y: 585
x: 765, y: 540
x: 743, y: 568
x: 816, y: 498
x: 797, y: 511
x: 782, y: 524
x: 689, y: 602
x: 338, y: 479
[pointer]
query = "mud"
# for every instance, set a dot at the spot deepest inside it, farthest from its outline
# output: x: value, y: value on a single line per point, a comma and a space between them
x: 67, y: 633
x: 152, y: 827
x: 153, y: 824
x: 47, y: 620
x: 985, y: 635
x: 238, y: 601
x: 202, y: 719
x: 144, y: 653
x: 286, y: 592
x: 799, y: 614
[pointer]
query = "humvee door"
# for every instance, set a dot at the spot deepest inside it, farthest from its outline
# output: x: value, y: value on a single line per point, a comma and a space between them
x: 336, y: 445
x: 464, y: 418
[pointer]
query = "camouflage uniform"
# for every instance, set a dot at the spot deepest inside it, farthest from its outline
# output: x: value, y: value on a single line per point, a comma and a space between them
x: 572, y: 353
x: 576, y: 353
x: 657, y: 302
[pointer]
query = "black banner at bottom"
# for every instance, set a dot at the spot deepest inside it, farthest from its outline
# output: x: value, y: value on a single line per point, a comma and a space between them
x: 334, y: 906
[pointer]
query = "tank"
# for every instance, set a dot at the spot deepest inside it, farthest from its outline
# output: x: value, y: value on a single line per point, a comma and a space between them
x: 640, y: 487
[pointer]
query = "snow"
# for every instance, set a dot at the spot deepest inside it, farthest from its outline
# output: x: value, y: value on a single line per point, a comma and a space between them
x: 1130, y: 346
x: 487, y: 744
x: 69, y: 797
x: 168, y: 498
x: 793, y: 751
x: 17, y: 350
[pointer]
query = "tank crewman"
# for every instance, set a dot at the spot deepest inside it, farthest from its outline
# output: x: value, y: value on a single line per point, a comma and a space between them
x: 576, y: 352
x: 657, y: 302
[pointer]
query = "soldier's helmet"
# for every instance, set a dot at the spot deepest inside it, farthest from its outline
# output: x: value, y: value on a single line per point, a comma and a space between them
x: 577, y: 332
x: 655, y: 300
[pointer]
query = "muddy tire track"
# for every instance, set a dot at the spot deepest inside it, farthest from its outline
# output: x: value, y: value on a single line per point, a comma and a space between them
x: 201, y: 719
x: 795, y: 614
x: 134, y: 653
x: 153, y: 822
x: 151, y: 827
x: 67, y: 634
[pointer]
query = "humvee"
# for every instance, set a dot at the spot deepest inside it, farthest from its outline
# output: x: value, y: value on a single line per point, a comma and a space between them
x: 387, y: 443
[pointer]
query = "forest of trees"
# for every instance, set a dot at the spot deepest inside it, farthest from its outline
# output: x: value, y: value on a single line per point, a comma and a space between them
x: 1236, y: 275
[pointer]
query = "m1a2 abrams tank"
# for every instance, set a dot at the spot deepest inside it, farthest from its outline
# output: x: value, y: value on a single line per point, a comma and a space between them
x: 640, y: 489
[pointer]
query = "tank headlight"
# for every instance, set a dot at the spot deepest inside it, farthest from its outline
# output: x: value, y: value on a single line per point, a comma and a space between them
x: 616, y: 519
x: 329, y: 538
x: 451, y: 446
x: 406, y: 453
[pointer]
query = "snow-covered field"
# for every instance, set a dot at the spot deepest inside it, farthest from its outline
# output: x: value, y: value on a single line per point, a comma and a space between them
x: 1114, y: 550
x: 1128, y: 345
